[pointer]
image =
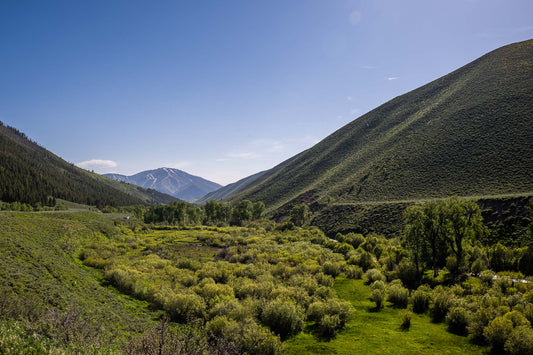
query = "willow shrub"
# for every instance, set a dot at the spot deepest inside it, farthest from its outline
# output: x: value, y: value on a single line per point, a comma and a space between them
x: 283, y: 317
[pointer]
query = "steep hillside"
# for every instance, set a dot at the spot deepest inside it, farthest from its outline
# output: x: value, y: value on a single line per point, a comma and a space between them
x: 228, y: 190
x: 467, y: 133
x: 29, y: 173
x: 170, y: 181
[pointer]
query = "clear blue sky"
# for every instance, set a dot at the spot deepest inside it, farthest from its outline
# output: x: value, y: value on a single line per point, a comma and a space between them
x: 224, y: 89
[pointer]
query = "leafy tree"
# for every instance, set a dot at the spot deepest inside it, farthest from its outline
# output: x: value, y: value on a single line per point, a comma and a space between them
x: 242, y: 213
x: 258, y: 210
x: 300, y: 214
x: 463, y: 222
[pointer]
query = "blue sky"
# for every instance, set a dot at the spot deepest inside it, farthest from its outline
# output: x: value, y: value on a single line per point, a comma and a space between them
x: 224, y: 89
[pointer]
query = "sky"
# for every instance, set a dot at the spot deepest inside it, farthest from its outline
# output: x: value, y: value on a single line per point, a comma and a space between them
x: 225, y: 89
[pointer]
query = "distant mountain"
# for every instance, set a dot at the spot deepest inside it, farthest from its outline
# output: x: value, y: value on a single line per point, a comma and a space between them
x: 29, y: 173
x: 174, y: 182
x: 467, y: 133
x: 228, y: 190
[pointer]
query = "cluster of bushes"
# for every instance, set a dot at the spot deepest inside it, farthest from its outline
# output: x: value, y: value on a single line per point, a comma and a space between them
x: 212, y: 213
x: 259, y: 284
x: 38, y: 206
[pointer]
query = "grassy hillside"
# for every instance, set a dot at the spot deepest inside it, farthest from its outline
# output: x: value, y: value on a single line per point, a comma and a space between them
x: 29, y: 173
x: 508, y: 218
x: 228, y: 190
x: 43, y: 281
x: 467, y: 133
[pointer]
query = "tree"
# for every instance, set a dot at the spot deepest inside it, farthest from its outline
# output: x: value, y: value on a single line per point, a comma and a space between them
x: 434, y: 226
x: 462, y: 222
x: 242, y: 212
x: 424, y: 234
x: 258, y: 210
x: 300, y: 214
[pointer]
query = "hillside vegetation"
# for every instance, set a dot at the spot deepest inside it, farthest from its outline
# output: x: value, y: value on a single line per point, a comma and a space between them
x: 469, y: 133
x: 79, y: 282
x: 30, y: 174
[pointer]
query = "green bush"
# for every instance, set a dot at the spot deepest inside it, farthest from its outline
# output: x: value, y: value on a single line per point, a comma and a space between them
x: 497, y: 332
x: 378, y: 285
x: 408, y: 274
x: 324, y: 280
x: 353, y: 271
x: 329, y: 325
x: 331, y: 268
x: 283, y: 317
x: 374, y: 275
x: 441, y: 302
x: 398, y: 295
x: 406, y: 319
x: 520, y: 341
x: 420, y: 299
x: 487, y: 276
x: 458, y: 319
x: 478, y: 322
x: 185, y: 307
x: 378, y: 296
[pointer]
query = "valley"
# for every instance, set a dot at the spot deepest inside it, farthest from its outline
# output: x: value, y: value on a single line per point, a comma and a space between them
x: 262, y: 289
x: 408, y: 230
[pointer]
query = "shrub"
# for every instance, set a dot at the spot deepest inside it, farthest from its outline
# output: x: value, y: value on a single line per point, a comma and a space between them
x: 378, y: 296
x: 353, y: 272
x: 324, y: 292
x: 407, y: 273
x: 478, y: 322
x: 374, y: 275
x: 520, y: 341
x: 487, y: 276
x: 245, y: 337
x: 365, y: 260
x: 440, y: 305
x: 457, y: 320
x: 420, y: 299
x: 478, y: 266
x: 502, y: 283
x: 334, y: 307
x: 331, y: 268
x: 185, y: 307
x: 517, y: 318
x: 497, y: 332
x: 378, y: 285
x: 406, y: 319
x: 324, y: 280
x: 283, y: 317
x: 398, y: 295
x: 328, y: 325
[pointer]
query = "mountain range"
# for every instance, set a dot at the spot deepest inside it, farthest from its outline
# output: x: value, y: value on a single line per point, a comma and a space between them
x: 29, y: 173
x: 467, y: 133
x: 170, y: 181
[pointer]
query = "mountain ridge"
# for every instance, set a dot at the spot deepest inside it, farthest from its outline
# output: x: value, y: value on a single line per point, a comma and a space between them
x: 448, y: 137
x: 174, y: 182
x: 30, y: 173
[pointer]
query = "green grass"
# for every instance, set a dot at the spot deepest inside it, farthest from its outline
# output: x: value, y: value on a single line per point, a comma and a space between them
x: 371, y: 332
x: 40, y: 272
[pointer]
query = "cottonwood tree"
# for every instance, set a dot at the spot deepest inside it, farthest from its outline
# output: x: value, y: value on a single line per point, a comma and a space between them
x: 436, y: 227
x: 300, y: 214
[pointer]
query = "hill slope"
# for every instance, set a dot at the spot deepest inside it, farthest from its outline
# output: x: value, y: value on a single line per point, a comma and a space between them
x: 467, y: 133
x: 228, y: 190
x: 29, y: 173
x: 174, y: 182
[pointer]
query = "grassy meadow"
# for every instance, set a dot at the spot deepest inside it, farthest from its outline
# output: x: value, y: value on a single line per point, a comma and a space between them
x: 87, y: 282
